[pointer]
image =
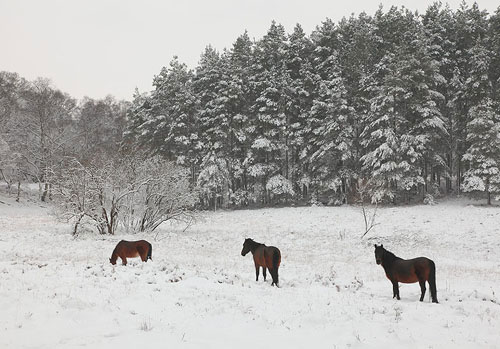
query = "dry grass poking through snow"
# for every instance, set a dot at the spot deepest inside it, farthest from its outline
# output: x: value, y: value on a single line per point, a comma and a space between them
x: 199, y: 292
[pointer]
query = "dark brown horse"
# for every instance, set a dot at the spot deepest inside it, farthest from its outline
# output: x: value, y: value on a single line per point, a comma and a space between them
x: 263, y: 256
x: 408, y: 271
x: 130, y: 249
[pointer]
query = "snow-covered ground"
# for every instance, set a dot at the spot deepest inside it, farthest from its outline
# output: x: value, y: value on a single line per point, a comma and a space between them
x: 199, y: 292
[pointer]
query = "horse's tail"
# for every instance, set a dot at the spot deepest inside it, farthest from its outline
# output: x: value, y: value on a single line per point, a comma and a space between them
x: 432, y: 281
x: 150, y: 251
x: 276, y: 264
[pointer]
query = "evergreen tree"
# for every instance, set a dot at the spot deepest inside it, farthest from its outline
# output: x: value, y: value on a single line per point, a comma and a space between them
x: 171, y: 127
x: 332, y: 128
x: 483, y: 154
x: 439, y: 26
x: 493, y: 46
x: 213, y: 178
x: 270, y: 81
x: 358, y: 54
x: 383, y: 163
x: 406, y: 122
x: 470, y: 27
x: 212, y: 116
x: 241, y: 97
x: 302, y: 76
x: 137, y: 113
x: 217, y: 97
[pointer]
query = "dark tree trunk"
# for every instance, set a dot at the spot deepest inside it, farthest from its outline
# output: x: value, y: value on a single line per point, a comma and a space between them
x: 45, y: 192
x: 18, y: 191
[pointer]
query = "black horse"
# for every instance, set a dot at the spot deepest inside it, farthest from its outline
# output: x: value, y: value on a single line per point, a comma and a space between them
x: 408, y: 271
x: 263, y: 256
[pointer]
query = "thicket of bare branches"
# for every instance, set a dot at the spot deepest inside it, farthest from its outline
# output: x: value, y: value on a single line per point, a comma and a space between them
x: 134, y: 192
x: 161, y: 192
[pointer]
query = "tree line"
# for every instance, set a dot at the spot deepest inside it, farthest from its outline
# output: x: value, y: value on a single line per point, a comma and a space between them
x: 74, y: 151
x: 394, y: 107
x: 41, y: 125
x: 401, y: 104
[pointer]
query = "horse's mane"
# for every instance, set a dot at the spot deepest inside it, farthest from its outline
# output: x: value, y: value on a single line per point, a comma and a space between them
x: 389, y: 256
x: 253, y: 244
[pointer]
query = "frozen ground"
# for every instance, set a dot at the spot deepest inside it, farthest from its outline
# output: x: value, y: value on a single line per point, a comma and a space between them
x: 199, y: 292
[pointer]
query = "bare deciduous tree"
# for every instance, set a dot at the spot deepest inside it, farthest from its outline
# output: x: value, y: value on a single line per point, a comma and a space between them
x: 41, y: 133
x: 363, y: 190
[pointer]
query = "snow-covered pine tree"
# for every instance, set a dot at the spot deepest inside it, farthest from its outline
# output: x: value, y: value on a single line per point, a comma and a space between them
x: 171, y: 124
x: 212, y: 179
x: 241, y: 97
x: 357, y: 55
x: 493, y: 46
x: 483, y: 126
x: 300, y: 71
x: 212, y: 119
x: 137, y: 113
x: 426, y: 126
x: 439, y: 24
x: 406, y: 123
x: 382, y: 162
x: 212, y: 85
x: 483, y: 154
x: 325, y: 75
x: 270, y: 81
x: 470, y: 26
x: 331, y: 123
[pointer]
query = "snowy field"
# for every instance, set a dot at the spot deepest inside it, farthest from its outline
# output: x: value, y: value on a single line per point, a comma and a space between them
x: 199, y: 292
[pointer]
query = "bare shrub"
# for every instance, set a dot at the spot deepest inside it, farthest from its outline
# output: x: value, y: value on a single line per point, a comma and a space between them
x: 128, y: 190
x: 369, y: 216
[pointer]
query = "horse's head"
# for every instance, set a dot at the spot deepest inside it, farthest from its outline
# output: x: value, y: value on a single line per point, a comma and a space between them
x: 379, y: 253
x: 112, y: 260
x: 246, y: 247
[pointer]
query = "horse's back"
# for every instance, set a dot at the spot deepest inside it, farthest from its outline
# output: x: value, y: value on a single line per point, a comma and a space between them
x: 132, y: 248
x: 143, y: 244
x: 133, y: 243
x: 411, y: 270
x: 263, y: 256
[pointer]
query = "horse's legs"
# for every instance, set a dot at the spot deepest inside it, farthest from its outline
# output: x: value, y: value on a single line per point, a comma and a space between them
x: 256, y: 272
x: 143, y: 254
x: 395, y: 290
x: 274, y: 274
x: 124, y: 260
x: 422, y: 288
x: 432, y: 282
x: 264, y: 269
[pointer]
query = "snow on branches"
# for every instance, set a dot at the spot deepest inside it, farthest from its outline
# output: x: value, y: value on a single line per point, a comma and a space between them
x: 126, y: 191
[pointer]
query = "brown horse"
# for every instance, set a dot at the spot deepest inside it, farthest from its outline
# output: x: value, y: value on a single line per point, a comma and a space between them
x: 408, y: 271
x: 263, y: 256
x: 130, y: 249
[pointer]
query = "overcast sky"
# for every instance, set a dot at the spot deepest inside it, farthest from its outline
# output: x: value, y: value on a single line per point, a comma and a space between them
x: 99, y: 47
